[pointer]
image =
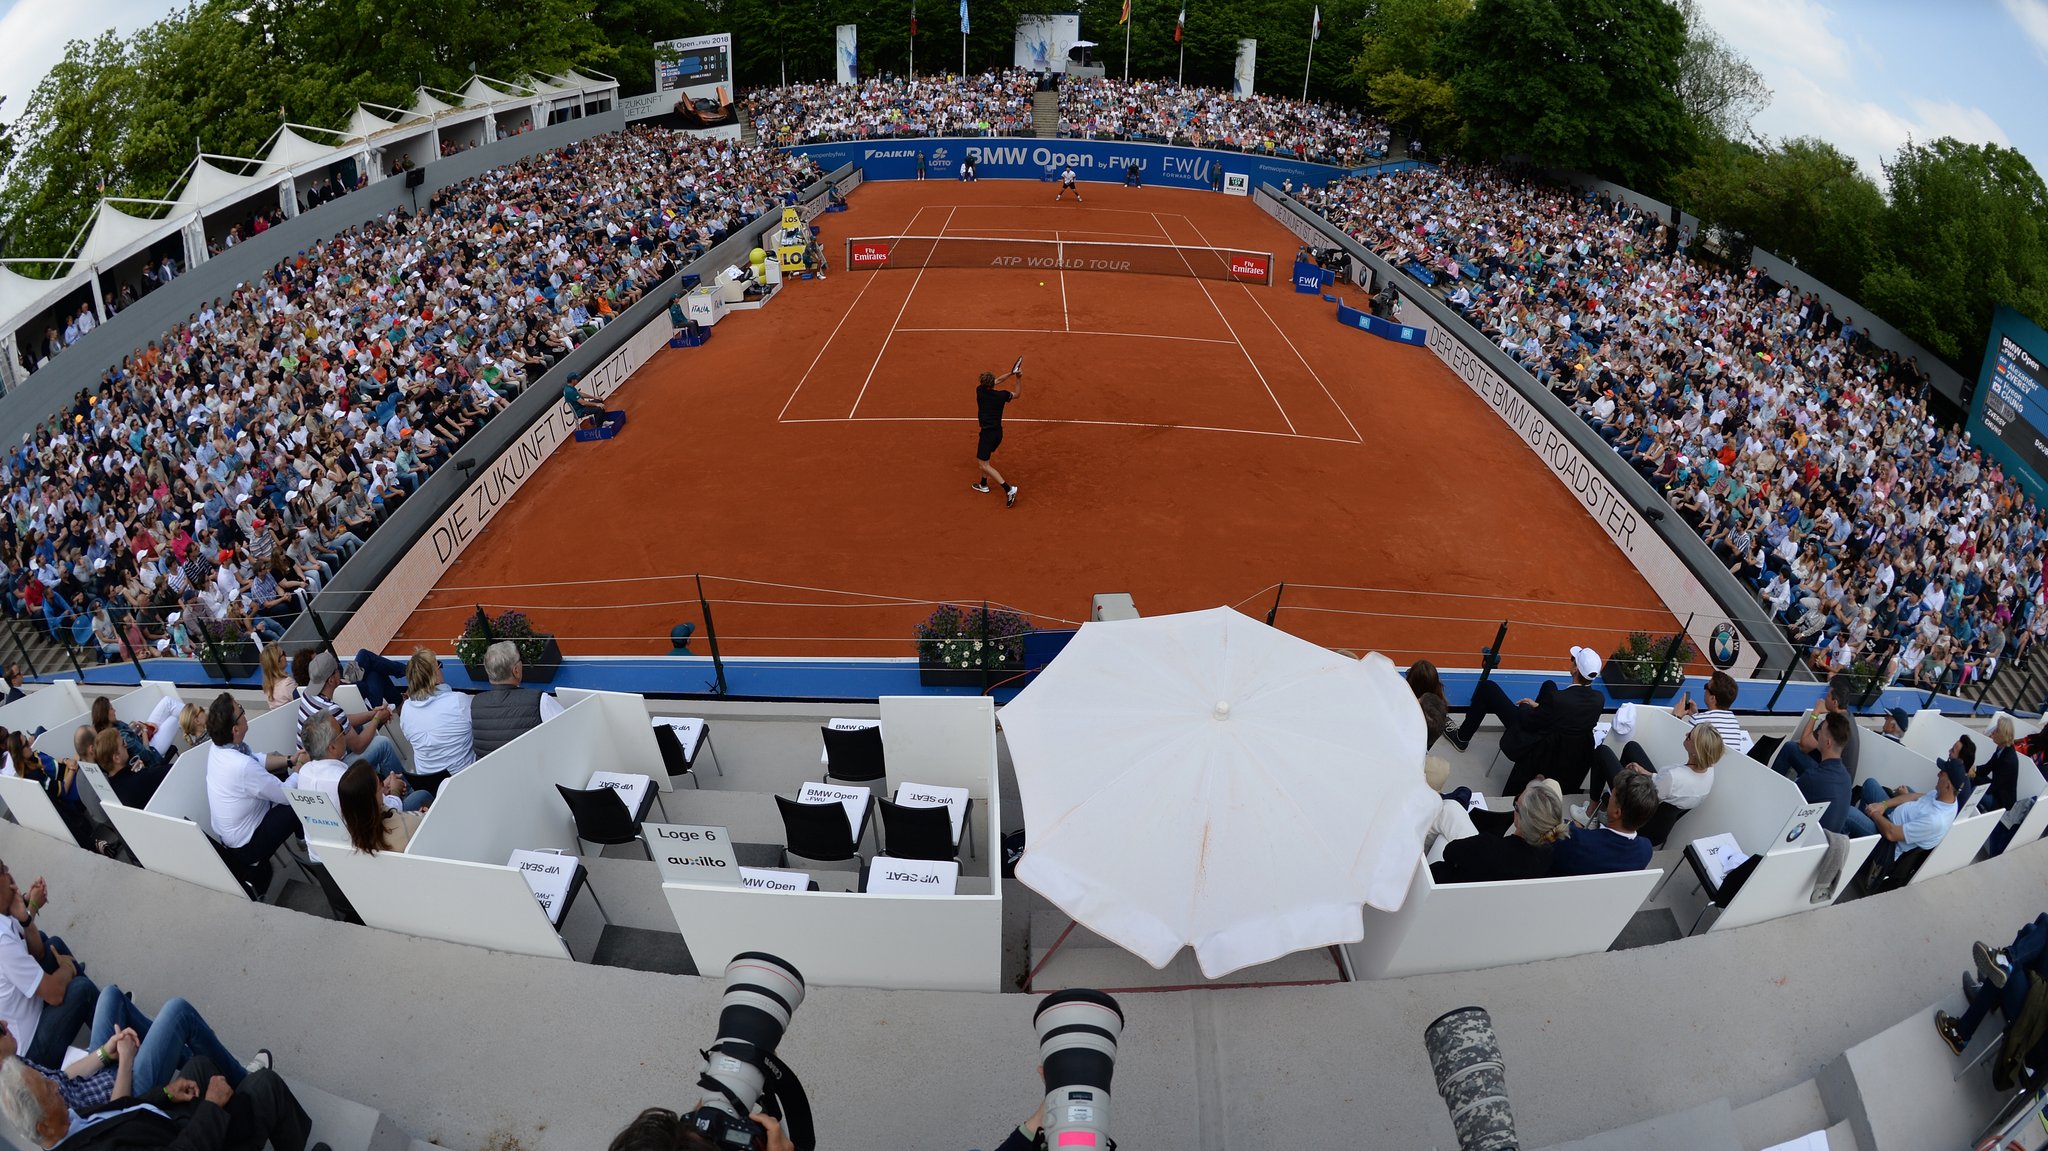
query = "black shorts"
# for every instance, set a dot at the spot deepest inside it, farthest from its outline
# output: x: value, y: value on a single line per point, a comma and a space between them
x: 991, y: 439
x: 1067, y: 183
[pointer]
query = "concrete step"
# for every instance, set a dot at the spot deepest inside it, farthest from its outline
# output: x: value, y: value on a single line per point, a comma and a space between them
x: 1774, y: 1119
x: 1048, y: 922
x: 1842, y: 1137
x: 1708, y: 1127
x: 1045, y: 114
x: 1899, y: 1089
x: 345, y: 1125
x: 1112, y: 969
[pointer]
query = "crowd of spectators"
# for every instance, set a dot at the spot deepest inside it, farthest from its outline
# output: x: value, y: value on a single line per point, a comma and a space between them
x: 1804, y: 455
x: 1159, y: 112
x: 988, y: 104
x: 229, y: 466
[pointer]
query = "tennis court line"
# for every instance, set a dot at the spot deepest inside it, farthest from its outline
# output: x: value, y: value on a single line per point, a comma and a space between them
x: 892, y: 324
x: 843, y: 317
x: 1066, y: 320
x: 1313, y: 374
x: 1092, y: 423
x: 1246, y: 352
x: 1073, y: 332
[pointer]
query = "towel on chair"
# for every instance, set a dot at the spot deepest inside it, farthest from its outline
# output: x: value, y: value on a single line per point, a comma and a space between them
x: 1829, y: 877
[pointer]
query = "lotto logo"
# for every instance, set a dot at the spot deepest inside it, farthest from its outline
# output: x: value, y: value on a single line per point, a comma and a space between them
x: 868, y: 255
x: 1248, y: 267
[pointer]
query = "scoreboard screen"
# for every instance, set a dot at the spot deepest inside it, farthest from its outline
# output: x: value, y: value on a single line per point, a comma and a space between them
x: 2009, y: 412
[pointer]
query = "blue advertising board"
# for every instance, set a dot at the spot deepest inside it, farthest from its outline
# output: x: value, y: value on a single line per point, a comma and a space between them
x: 1311, y: 278
x: 2009, y: 411
x: 1028, y: 158
x: 1351, y: 317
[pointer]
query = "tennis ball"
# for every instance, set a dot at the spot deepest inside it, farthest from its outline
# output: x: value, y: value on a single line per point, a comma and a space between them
x: 1041, y: 283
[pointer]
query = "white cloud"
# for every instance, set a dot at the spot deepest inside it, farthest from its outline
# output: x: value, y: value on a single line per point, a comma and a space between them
x: 1793, y: 34
x: 2032, y: 17
x: 33, y: 34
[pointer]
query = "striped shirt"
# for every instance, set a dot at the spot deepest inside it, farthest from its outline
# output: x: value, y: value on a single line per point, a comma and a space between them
x: 82, y: 1092
x: 311, y: 703
x: 1724, y: 721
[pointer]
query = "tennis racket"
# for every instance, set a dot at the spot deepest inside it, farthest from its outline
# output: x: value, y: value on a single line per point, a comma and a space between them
x: 1017, y: 369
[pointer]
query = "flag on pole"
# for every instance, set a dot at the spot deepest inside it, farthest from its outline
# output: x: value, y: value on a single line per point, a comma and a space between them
x: 1126, y: 17
x: 1315, y: 28
x: 913, y: 21
x: 963, y: 18
x: 1180, y: 22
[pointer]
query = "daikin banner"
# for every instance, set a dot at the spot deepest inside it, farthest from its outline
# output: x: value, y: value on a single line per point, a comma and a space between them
x: 1043, y: 41
x: 847, y: 57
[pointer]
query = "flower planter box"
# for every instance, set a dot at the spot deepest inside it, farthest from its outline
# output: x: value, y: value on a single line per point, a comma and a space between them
x: 1615, y: 679
x: 542, y: 670
x: 240, y: 667
x: 938, y: 675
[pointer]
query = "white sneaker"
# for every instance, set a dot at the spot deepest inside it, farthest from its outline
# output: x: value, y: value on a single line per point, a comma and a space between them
x: 1579, y: 815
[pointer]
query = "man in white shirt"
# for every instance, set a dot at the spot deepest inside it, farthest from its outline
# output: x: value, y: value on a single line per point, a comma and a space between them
x: 252, y: 816
x: 44, y: 997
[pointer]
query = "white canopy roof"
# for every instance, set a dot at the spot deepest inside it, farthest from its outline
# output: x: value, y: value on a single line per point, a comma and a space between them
x: 207, y: 184
x: 478, y: 94
x: 20, y: 295
x: 424, y: 104
x: 289, y: 151
x: 113, y: 234
x: 364, y: 123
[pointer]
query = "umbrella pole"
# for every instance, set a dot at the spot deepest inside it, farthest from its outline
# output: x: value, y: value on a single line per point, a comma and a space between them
x: 1049, y: 953
x: 1273, y: 612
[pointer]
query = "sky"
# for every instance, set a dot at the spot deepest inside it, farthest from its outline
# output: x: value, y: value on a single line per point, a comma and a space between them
x: 1865, y: 75
x: 1862, y: 74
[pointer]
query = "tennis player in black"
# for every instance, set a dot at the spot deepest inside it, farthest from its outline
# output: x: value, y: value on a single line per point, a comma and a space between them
x: 989, y: 399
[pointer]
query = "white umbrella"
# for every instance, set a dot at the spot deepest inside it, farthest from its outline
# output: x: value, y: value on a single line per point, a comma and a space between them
x: 1205, y: 779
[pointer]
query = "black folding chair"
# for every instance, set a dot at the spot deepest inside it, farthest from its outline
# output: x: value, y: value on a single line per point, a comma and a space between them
x: 853, y: 756
x: 817, y: 831
x: 918, y: 832
x: 601, y: 816
x: 680, y: 760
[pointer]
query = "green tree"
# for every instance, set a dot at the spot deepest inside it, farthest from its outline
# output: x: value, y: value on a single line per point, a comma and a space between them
x: 1803, y: 199
x: 1967, y: 230
x: 1584, y: 84
x: 1719, y: 89
x: 1401, y: 62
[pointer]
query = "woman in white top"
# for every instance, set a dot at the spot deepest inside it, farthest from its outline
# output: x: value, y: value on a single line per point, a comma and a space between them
x: 1679, y: 789
x: 435, y: 718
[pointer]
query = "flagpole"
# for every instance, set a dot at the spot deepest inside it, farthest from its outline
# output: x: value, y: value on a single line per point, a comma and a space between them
x: 1127, y: 51
x: 1307, y: 70
x: 1181, y: 77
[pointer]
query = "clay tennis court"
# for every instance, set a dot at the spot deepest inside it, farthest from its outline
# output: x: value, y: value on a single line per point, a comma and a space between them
x: 1191, y: 442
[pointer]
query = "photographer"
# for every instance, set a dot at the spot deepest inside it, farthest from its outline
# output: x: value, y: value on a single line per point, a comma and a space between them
x: 659, y: 1129
x: 1024, y: 1136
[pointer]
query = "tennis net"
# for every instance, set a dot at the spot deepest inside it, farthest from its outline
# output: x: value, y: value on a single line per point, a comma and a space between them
x: 1236, y: 265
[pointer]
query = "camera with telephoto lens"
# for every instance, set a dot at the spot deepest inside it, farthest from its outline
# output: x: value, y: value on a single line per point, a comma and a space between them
x: 1077, y: 1034
x: 741, y: 1073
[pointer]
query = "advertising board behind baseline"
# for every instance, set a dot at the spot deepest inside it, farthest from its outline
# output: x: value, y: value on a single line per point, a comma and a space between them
x: 1101, y: 161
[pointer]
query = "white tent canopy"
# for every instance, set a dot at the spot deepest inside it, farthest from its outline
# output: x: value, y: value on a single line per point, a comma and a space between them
x: 20, y: 295
x: 114, y: 234
x: 480, y: 94
x: 364, y: 123
x: 426, y: 104
x: 207, y: 184
x: 290, y: 151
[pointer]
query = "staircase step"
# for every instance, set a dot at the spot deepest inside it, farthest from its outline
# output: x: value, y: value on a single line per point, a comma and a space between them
x: 1045, y: 114
x: 1787, y: 1115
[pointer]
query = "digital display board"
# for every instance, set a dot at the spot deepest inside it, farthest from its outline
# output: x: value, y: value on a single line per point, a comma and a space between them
x: 697, y: 64
x: 2009, y: 412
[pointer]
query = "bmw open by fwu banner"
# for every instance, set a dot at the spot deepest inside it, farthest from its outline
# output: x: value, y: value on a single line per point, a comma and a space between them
x: 1025, y: 158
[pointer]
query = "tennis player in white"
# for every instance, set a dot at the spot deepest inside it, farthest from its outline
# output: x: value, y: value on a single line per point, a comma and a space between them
x: 1067, y: 184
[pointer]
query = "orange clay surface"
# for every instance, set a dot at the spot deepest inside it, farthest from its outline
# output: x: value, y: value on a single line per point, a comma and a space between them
x: 1192, y: 443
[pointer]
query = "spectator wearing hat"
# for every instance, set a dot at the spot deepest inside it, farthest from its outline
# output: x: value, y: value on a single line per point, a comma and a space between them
x: 1551, y: 735
x: 361, y: 734
x: 1908, y: 820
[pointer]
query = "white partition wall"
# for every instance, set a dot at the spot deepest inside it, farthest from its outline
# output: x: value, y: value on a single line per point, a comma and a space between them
x: 1893, y: 764
x: 452, y: 881
x: 1959, y: 847
x: 1467, y: 926
x: 1783, y: 883
x: 45, y: 708
x: 940, y: 943
x: 31, y: 807
x: 137, y: 705
x: 170, y: 835
x: 1748, y: 800
x: 849, y: 939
